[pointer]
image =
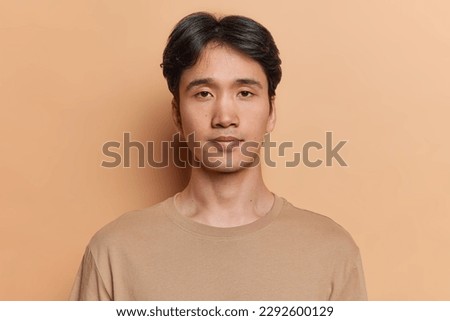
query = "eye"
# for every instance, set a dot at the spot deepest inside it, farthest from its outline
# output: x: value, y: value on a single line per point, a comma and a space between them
x: 245, y: 94
x: 203, y: 94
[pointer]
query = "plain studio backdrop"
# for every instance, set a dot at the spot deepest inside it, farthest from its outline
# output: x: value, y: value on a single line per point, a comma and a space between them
x: 77, y: 74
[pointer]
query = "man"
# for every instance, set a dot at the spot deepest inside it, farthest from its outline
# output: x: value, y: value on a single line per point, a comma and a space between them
x: 225, y: 236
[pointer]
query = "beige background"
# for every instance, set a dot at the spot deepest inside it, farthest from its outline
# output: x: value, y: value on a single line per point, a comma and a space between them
x: 76, y: 74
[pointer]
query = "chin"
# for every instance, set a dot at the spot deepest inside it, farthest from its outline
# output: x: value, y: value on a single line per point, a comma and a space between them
x: 225, y: 170
x: 237, y: 166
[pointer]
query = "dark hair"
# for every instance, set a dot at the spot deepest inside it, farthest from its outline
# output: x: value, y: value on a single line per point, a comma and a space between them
x: 243, y: 34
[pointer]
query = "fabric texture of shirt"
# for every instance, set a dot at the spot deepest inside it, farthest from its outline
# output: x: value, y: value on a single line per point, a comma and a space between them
x: 159, y: 254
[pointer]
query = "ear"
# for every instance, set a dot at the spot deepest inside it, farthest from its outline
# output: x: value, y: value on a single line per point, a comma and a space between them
x: 176, y: 115
x: 272, y: 116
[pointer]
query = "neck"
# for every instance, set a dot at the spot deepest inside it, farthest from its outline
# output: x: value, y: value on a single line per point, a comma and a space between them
x: 225, y: 199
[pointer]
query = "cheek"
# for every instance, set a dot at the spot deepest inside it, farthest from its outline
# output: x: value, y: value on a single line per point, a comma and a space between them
x: 259, y: 121
x: 259, y: 128
x: 194, y: 123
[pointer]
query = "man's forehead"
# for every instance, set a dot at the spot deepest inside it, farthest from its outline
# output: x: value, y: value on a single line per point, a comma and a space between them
x: 218, y: 63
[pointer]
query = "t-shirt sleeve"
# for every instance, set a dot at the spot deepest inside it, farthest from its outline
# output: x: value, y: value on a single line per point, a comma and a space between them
x: 349, y: 282
x: 89, y: 285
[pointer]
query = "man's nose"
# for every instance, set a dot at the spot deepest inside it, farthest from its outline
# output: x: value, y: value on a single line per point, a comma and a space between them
x: 225, y: 113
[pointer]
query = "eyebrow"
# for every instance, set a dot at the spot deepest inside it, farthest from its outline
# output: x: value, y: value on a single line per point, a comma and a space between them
x: 208, y: 81
x: 198, y: 82
x: 249, y: 81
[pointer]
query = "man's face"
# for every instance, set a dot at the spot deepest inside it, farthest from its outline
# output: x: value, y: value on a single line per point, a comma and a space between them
x: 224, y: 101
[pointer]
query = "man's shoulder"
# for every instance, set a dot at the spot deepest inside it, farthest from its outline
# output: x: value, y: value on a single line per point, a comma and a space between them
x: 131, y: 224
x: 307, y: 224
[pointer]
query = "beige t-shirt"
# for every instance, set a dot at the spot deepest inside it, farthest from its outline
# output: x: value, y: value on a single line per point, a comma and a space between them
x: 159, y: 254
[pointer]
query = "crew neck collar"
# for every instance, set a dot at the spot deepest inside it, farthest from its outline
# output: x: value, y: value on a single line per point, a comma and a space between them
x: 194, y: 227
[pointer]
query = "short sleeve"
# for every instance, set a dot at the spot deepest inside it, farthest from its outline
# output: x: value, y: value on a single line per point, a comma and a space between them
x: 349, y: 283
x: 89, y: 285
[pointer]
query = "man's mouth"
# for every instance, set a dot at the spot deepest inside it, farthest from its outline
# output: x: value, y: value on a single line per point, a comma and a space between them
x: 226, y: 139
x: 226, y: 143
